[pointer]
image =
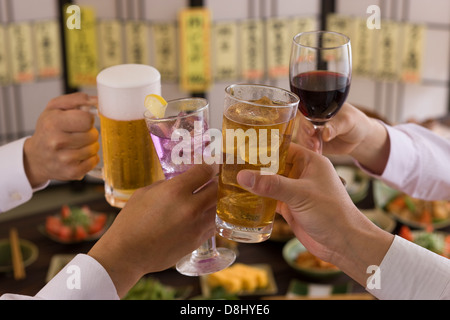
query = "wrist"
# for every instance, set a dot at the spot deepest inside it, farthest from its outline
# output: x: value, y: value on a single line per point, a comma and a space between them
x: 36, y: 176
x: 372, y: 153
x: 123, y: 274
x: 363, y: 245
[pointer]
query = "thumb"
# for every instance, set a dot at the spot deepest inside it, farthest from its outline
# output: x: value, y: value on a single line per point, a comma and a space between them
x: 272, y: 186
x: 329, y: 132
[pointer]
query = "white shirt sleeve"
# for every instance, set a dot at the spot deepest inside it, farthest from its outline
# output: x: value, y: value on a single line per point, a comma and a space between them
x: 15, y: 189
x: 409, y: 271
x: 81, y: 279
x: 418, y: 162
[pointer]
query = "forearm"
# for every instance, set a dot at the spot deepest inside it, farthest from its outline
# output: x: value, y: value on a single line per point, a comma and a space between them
x: 373, y: 152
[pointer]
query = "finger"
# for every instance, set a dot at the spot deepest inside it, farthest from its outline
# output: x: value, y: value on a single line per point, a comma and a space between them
x: 75, y: 156
x: 196, y: 177
x: 84, y: 139
x: 296, y: 160
x: 75, y: 121
x: 339, y: 125
x: 71, y: 101
x: 78, y: 140
x: 84, y: 167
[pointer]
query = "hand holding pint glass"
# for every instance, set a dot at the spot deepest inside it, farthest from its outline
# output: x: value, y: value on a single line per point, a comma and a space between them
x: 258, y: 122
x: 130, y: 160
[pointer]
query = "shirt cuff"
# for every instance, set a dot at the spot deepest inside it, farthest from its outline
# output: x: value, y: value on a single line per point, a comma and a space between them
x: 82, y: 279
x: 401, y: 155
x: 15, y: 189
x: 409, y: 271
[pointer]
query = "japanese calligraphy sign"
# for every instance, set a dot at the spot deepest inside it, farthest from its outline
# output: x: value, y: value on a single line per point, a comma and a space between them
x: 225, y: 44
x: 412, y: 53
x: 363, y: 48
x: 388, y: 51
x: 81, y: 48
x: 279, y: 41
x: 137, y: 47
x: 48, y: 49
x: 195, y: 51
x: 252, y: 49
x: 22, y: 63
x: 165, y: 50
x: 111, y: 43
x: 4, y: 61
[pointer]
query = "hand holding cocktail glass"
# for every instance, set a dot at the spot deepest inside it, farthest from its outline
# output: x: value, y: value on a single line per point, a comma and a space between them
x: 177, y: 129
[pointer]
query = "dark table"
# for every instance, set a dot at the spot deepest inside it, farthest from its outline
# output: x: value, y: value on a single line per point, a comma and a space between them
x: 269, y: 252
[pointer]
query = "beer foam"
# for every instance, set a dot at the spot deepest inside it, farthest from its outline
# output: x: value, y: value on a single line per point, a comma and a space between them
x: 122, y: 90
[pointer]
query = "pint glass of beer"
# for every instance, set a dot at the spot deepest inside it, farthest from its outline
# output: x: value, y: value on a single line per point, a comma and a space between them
x: 258, y: 122
x: 130, y: 160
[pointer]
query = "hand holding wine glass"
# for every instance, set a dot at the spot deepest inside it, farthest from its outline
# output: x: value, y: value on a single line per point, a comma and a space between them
x: 320, y: 74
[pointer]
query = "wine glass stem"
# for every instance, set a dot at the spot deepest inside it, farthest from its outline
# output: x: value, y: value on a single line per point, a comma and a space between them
x: 207, y: 249
x: 319, y: 132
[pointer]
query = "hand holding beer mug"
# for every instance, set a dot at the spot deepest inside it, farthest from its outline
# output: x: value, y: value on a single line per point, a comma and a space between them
x: 257, y: 127
x: 130, y: 160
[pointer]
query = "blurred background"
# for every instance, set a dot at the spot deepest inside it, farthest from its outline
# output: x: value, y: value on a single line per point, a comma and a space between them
x: 401, y: 71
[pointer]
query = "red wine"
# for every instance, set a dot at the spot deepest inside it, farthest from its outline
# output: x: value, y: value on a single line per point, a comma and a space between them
x: 322, y: 94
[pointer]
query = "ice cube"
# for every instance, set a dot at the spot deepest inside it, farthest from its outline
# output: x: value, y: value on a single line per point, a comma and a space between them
x: 161, y: 130
x: 251, y: 114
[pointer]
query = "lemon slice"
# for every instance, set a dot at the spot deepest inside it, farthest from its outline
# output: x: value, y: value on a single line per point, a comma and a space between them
x: 156, y: 105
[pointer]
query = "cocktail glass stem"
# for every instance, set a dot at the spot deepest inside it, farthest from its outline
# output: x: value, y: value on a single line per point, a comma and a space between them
x: 207, y: 249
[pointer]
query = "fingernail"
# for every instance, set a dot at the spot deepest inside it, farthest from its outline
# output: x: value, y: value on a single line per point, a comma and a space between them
x: 92, y: 100
x: 246, y: 179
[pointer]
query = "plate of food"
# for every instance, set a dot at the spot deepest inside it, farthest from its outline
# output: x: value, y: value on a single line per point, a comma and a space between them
x: 437, y: 241
x: 239, y: 280
x: 356, y: 182
x: 412, y: 212
x: 148, y: 288
x: 381, y: 219
x: 29, y: 251
x: 300, y: 259
x: 73, y: 224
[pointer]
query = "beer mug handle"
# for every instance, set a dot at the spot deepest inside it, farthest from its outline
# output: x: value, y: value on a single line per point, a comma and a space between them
x: 97, y: 172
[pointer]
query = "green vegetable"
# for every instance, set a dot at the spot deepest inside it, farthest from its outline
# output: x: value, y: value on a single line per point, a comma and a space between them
x: 150, y: 289
x: 430, y: 241
x: 409, y: 203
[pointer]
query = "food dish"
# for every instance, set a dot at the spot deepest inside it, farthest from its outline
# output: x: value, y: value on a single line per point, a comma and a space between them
x: 411, y: 212
x: 210, y: 289
x: 356, y: 182
x: 437, y: 241
x: 29, y: 250
x: 75, y: 225
x: 291, y: 252
x: 381, y: 219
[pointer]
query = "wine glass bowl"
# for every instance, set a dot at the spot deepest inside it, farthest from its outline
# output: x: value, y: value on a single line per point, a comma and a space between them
x: 320, y: 73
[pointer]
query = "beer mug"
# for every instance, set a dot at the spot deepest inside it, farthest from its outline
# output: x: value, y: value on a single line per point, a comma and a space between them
x: 130, y: 161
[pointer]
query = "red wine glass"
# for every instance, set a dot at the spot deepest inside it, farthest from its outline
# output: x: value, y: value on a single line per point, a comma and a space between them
x: 320, y: 74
